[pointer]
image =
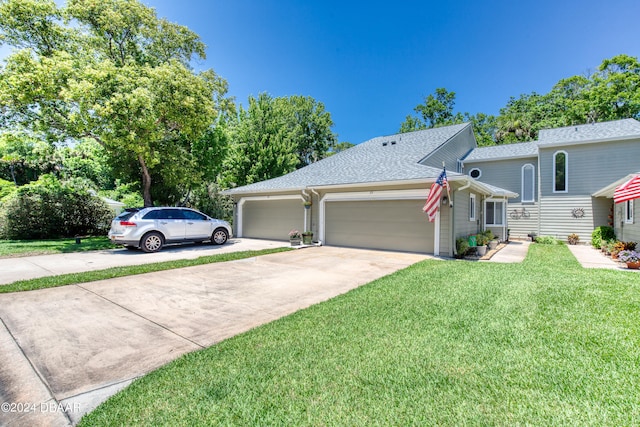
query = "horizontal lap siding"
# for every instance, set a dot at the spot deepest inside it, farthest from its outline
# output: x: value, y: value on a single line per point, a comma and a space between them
x: 557, y: 220
x: 272, y: 219
x: 522, y: 220
x: 624, y: 231
x: 382, y: 224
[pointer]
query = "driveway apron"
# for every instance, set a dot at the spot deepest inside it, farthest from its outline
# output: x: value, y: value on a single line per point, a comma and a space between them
x: 65, y: 350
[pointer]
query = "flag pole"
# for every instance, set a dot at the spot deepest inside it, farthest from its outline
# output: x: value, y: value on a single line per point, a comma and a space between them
x: 444, y: 168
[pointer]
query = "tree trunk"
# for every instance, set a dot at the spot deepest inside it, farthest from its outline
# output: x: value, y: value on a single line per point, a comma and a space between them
x: 146, y: 182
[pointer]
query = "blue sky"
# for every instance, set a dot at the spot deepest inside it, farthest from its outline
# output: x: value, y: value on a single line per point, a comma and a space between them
x: 372, y: 62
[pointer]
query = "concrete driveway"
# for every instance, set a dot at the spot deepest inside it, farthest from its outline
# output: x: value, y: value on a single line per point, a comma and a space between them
x: 64, y: 350
x: 31, y: 267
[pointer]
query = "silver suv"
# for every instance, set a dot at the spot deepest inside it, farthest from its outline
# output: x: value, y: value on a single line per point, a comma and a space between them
x: 151, y: 228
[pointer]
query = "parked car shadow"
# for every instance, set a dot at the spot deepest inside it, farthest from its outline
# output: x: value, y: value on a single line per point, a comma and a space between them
x: 176, y: 248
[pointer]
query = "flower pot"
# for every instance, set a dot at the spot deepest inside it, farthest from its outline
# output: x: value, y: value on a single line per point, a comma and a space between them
x: 635, y: 265
x: 307, y: 238
x: 493, y: 244
x: 481, y: 250
x: 294, y: 242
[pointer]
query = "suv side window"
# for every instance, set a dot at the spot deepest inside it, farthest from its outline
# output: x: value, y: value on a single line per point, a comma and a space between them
x: 170, y: 214
x: 152, y: 215
x: 192, y: 215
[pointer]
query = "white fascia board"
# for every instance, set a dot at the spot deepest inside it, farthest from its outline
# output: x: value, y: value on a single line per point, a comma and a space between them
x: 491, y: 159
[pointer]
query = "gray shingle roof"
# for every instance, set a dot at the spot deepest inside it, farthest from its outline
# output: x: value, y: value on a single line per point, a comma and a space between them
x: 381, y: 159
x: 506, y: 151
x: 590, y: 132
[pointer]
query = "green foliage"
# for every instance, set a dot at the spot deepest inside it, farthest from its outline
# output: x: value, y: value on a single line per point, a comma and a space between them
x: 438, y: 111
x: 207, y: 199
x: 6, y: 188
x: 601, y: 234
x: 462, y: 247
x: 129, y: 194
x: 482, y: 239
x: 573, y: 239
x: 274, y: 136
x: 48, y: 208
x: 548, y: 240
x: 113, y: 72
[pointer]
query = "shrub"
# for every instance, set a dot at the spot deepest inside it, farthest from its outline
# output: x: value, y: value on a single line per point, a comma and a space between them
x: 462, y: 246
x: 48, y: 208
x: 547, y: 240
x: 601, y: 234
x: 482, y: 239
x: 573, y: 239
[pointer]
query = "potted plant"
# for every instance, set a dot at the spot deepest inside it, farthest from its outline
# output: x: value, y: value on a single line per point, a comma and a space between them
x: 481, y: 241
x: 573, y: 239
x: 295, y: 237
x: 307, y: 237
x: 631, y: 258
x: 617, y: 247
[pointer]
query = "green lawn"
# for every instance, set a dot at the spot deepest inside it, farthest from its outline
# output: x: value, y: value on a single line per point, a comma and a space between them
x: 543, y: 342
x: 10, y: 248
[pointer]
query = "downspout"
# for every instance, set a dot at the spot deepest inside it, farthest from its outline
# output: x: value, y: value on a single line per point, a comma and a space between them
x: 305, y: 197
x: 318, y: 197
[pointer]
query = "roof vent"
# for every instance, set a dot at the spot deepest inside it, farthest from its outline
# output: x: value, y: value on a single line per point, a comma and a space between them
x: 393, y: 143
x: 384, y: 144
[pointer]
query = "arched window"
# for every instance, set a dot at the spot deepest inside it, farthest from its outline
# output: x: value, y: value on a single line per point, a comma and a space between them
x: 560, y: 172
x: 528, y: 183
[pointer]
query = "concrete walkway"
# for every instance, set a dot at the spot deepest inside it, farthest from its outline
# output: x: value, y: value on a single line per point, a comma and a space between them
x: 65, y: 350
x: 589, y: 257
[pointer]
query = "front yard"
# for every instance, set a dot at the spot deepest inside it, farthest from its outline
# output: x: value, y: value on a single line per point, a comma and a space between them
x: 544, y: 342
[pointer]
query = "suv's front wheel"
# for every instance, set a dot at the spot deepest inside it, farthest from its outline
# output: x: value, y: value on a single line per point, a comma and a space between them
x: 219, y: 236
x: 152, y: 242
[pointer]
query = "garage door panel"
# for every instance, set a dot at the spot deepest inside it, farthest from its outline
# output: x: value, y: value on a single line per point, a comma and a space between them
x: 389, y: 224
x: 271, y: 219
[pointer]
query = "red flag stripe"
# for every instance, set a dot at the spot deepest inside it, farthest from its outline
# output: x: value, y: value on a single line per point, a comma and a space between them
x: 628, y: 191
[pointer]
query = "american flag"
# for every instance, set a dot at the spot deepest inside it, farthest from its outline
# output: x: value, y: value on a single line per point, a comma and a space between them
x: 433, y: 199
x: 628, y: 191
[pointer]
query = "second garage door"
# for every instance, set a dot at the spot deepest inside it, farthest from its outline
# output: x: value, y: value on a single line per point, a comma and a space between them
x: 399, y: 225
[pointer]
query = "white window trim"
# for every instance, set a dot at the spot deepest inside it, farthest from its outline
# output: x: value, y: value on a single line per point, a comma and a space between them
x: 533, y: 183
x: 472, y: 207
x: 628, y: 212
x: 503, y: 219
x: 476, y: 169
x: 566, y: 172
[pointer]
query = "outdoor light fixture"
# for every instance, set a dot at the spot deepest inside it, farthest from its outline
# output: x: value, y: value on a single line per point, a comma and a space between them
x: 445, y: 200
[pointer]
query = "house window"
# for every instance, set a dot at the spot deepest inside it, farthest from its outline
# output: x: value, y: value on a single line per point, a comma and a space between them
x: 528, y: 183
x: 560, y: 172
x: 628, y: 216
x: 475, y: 173
x: 494, y: 213
x: 472, y: 207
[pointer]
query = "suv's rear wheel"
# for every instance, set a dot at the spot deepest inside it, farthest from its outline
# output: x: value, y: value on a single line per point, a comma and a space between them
x: 219, y: 236
x: 152, y: 242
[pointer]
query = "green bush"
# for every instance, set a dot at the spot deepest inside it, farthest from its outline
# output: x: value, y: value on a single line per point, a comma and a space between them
x: 6, y: 188
x: 548, y: 240
x: 462, y: 246
x: 602, y: 234
x: 49, y: 208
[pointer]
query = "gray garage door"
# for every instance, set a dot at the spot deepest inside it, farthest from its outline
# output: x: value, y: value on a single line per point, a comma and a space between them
x: 271, y: 219
x: 381, y: 224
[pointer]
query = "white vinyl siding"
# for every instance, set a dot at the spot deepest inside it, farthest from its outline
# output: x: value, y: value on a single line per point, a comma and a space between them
x: 528, y: 183
x: 560, y: 172
x: 522, y: 219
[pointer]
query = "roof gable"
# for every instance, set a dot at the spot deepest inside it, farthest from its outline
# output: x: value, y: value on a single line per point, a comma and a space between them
x: 381, y: 159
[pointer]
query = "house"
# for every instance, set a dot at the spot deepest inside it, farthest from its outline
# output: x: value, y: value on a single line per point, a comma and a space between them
x: 565, y: 179
x: 626, y: 215
x: 371, y: 196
